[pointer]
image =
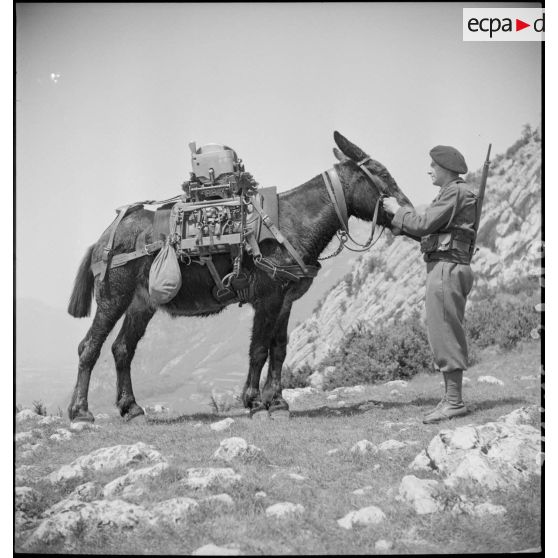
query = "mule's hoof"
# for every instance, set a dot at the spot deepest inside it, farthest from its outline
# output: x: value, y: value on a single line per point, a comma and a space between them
x: 84, y: 416
x: 260, y: 414
x: 280, y: 414
x: 133, y: 412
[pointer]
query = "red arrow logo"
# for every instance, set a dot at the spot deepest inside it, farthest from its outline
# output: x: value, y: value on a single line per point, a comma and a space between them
x: 519, y: 25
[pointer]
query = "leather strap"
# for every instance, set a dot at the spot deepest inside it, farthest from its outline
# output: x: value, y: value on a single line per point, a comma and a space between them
x: 279, y: 236
x: 207, y: 260
x: 285, y: 272
x: 107, y: 251
x: 120, y: 259
x: 335, y: 191
x: 375, y: 180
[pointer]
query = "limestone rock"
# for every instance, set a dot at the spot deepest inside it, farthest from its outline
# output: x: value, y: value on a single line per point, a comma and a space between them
x: 81, y: 426
x: 50, y: 419
x: 222, y: 424
x: 117, y: 485
x: 389, y: 445
x: 91, y: 516
x: 214, y: 550
x: 420, y: 493
x: 61, y: 435
x: 21, y: 437
x: 284, y: 509
x: 316, y: 380
x: 221, y: 500
x: 26, y: 499
x: 209, y: 476
x: 107, y: 459
x: 397, y: 384
x: 297, y: 477
x: 291, y: 395
x: 27, y: 414
x: 487, y: 509
x: 237, y: 448
x: 24, y: 522
x: 370, y: 515
x: 26, y: 473
x: 523, y: 415
x: 363, y: 491
x: 174, y: 510
x: 352, y: 390
x: 490, y: 380
x: 421, y: 462
x: 495, y: 455
x: 363, y: 447
x: 29, y: 450
x: 86, y: 492
x: 382, y: 545
x: 260, y: 495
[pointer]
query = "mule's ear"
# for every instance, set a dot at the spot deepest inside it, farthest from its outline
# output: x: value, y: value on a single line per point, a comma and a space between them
x: 339, y: 156
x: 349, y: 149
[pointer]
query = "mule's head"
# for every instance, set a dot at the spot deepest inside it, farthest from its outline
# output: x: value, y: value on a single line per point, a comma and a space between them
x: 363, y: 190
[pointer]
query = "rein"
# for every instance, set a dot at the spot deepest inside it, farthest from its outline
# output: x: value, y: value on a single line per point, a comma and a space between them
x: 335, y: 191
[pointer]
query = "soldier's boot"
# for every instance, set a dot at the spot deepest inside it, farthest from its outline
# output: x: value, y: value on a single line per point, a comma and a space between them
x: 444, y: 398
x: 452, y: 404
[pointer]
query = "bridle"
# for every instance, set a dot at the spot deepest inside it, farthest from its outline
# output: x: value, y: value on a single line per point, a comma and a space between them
x: 335, y: 191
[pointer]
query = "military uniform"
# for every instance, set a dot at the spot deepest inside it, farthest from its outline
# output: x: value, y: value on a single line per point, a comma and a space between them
x: 447, y: 234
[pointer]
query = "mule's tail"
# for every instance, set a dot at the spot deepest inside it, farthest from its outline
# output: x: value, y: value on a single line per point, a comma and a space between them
x: 80, y: 301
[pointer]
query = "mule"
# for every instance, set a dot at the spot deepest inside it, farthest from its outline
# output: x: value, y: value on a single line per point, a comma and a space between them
x: 307, y: 217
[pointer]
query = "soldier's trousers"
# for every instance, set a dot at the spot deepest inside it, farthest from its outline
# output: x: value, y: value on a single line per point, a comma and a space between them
x: 447, y: 287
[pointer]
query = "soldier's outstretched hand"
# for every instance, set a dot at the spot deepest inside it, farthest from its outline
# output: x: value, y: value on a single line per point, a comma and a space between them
x: 390, y: 205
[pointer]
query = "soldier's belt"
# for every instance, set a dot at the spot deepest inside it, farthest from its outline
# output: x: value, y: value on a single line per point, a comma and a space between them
x: 443, y: 242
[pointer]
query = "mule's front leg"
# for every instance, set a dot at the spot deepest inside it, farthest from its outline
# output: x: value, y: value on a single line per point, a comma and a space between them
x: 272, y: 397
x: 262, y: 329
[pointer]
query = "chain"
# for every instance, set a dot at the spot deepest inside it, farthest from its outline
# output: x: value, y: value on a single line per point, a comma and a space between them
x: 342, y: 237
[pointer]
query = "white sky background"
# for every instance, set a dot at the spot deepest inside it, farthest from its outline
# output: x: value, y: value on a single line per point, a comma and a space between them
x: 138, y: 81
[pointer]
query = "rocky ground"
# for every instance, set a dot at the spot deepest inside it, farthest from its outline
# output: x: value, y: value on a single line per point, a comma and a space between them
x: 354, y: 470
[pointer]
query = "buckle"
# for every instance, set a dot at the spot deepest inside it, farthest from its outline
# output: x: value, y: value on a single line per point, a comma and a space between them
x: 107, y: 254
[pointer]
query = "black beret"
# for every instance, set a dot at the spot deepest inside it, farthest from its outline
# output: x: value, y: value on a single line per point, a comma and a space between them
x: 449, y: 158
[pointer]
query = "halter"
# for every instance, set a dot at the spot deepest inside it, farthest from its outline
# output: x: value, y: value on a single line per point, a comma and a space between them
x: 335, y: 191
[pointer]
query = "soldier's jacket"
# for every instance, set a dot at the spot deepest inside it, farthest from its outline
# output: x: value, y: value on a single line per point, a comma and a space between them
x: 446, y: 227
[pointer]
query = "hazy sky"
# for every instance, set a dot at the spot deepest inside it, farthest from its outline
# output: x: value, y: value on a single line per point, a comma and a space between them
x: 108, y: 96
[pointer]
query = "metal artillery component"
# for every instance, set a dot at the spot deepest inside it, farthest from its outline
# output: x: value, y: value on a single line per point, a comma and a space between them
x: 215, y: 172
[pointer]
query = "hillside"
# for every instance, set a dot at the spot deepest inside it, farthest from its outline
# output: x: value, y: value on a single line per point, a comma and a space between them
x: 387, y: 283
x: 179, y: 362
x: 353, y: 472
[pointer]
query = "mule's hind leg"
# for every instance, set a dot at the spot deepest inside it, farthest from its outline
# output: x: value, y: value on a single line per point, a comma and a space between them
x: 108, y: 313
x: 124, y: 347
x: 271, y: 393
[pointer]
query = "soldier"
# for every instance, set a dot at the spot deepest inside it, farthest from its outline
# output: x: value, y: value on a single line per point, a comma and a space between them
x: 447, y: 234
